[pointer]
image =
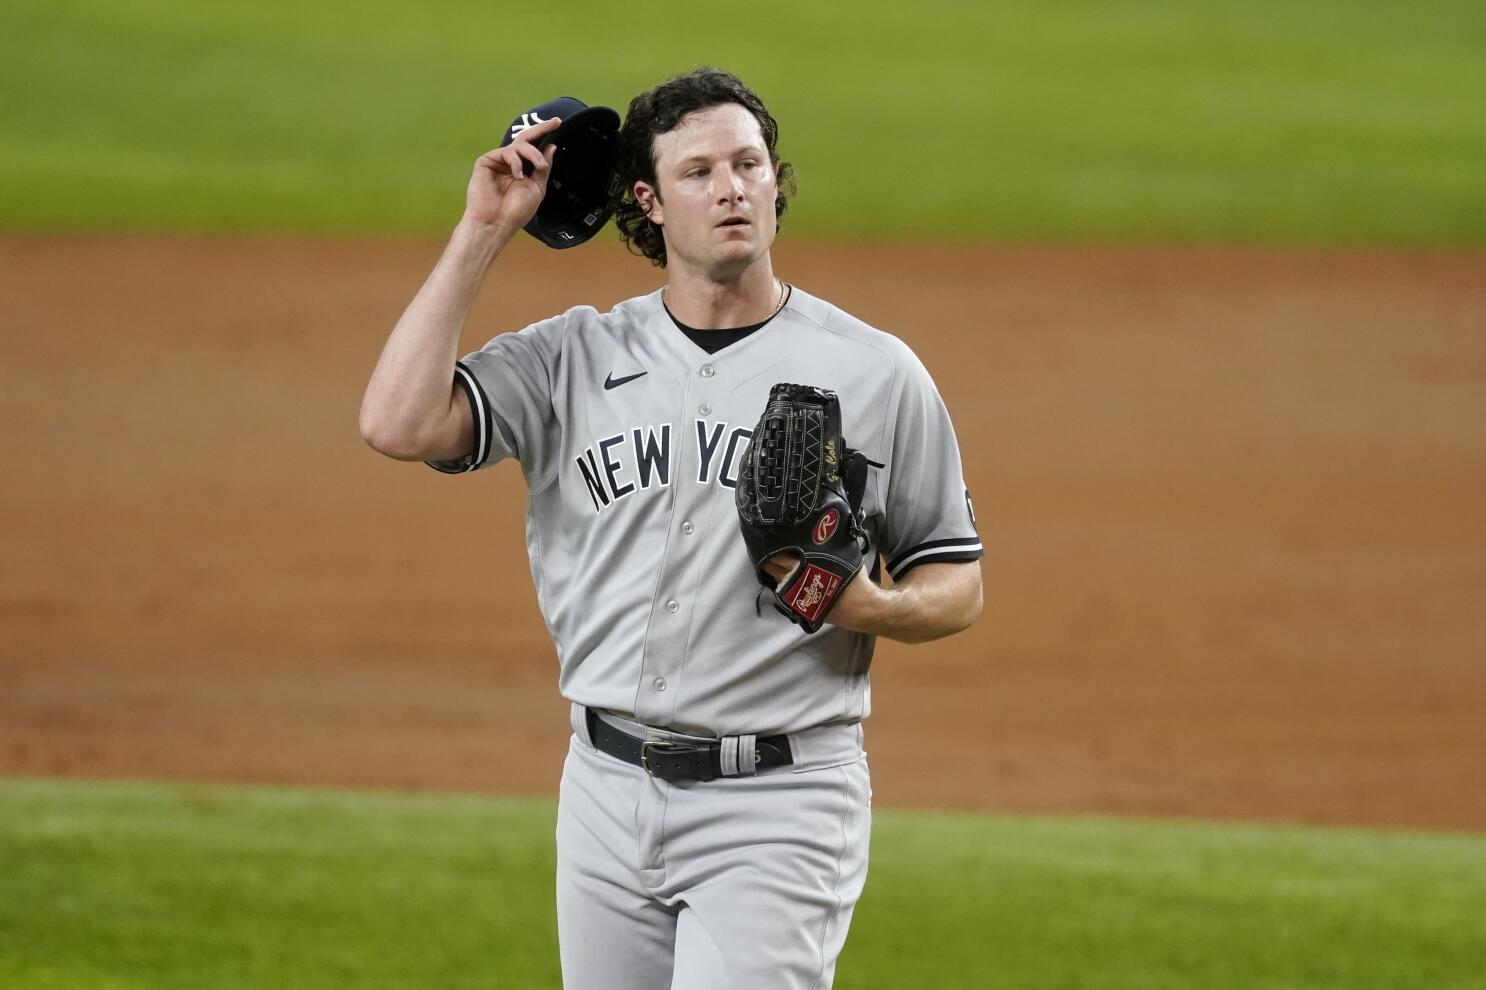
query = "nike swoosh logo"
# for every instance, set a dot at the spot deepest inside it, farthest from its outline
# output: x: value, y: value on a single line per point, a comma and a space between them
x: 612, y: 382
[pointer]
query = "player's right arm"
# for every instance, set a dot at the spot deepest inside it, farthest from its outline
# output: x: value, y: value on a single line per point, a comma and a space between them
x: 410, y: 410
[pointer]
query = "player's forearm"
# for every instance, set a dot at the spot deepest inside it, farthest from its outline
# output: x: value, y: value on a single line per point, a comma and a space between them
x: 408, y: 396
x: 931, y: 602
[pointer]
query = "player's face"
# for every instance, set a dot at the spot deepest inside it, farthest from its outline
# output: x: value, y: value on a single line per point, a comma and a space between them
x: 716, y: 192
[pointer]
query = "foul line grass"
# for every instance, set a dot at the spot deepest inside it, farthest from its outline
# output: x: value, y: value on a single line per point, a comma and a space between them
x: 132, y: 885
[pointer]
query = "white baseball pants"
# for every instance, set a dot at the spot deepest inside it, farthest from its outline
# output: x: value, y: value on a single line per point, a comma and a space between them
x: 739, y: 882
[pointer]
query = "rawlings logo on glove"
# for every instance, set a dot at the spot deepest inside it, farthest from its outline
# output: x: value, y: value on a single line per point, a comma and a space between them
x: 825, y: 527
x: 800, y: 492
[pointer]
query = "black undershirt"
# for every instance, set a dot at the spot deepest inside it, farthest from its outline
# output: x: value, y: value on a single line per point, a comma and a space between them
x: 713, y: 341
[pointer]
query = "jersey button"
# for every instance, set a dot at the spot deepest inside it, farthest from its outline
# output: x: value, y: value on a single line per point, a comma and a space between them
x: 704, y: 409
x: 673, y: 606
x: 708, y: 371
x: 660, y: 683
x: 688, y: 528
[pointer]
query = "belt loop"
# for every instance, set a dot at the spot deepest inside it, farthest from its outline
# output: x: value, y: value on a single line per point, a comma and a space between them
x: 747, y: 760
x: 728, y: 756
x: 578, y: 717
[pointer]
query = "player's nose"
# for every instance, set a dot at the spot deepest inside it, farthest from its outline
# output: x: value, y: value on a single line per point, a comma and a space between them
x: 731, y: 184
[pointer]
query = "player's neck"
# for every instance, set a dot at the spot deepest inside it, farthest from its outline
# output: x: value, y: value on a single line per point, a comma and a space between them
x: 699, y: 301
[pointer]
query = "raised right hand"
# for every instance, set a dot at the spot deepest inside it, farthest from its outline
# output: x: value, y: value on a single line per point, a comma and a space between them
x: 508, y: 183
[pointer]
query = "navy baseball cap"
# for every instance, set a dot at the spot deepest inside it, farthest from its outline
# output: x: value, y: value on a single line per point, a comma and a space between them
x: 581, y: 189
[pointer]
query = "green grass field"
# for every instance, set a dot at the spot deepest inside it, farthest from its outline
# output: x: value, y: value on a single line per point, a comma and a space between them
x: 1305, y: 122
x: 122, y: 886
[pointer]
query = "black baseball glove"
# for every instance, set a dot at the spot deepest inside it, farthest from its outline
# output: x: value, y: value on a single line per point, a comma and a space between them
x: 800, y: 492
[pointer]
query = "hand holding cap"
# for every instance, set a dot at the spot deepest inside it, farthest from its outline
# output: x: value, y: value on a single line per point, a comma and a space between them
x: 583, y: 156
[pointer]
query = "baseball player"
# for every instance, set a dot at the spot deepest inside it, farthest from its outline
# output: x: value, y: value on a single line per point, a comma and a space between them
x: 715, y: 802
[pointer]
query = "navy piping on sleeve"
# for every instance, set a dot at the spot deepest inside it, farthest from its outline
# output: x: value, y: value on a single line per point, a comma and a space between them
x: 935, y: 551
x: 480, y: 414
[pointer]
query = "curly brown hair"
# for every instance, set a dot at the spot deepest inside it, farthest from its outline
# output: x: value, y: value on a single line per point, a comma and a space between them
x: 659, y: 110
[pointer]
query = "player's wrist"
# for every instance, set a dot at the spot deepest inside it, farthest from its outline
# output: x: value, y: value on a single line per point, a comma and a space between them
x: 864, y: 607
x: 484, y: 239
x: 495, y: 231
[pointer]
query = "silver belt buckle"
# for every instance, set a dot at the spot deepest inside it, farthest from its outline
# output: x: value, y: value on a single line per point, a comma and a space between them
x: 646, y: 747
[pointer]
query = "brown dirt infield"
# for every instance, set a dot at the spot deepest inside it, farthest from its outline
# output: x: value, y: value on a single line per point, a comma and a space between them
x: 1234, y: 503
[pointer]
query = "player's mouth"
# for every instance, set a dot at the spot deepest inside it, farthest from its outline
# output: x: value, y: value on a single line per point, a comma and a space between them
x: 734, y: 222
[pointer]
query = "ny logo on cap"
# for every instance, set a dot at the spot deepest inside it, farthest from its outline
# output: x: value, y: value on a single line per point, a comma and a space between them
x: 527, y: 120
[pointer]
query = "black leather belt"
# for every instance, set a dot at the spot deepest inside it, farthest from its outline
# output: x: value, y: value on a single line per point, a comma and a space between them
x: 678, y: 760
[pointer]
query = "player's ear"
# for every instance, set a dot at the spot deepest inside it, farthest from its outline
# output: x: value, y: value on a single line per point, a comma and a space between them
x: 648, y: 197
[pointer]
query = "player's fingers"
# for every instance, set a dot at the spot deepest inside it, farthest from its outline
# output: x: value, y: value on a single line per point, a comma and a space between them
x: 535, y: 133
x: 516, y: 164
x: 781, y: 565
x: 497, y: 160
x: 533, y: 158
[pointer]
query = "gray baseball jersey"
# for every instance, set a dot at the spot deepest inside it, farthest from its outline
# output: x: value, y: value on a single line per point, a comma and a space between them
x: 629, y: 436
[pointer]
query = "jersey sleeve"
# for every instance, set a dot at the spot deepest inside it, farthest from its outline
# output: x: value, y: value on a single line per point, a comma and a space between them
x: 508, y: 384
x: 928, y: 517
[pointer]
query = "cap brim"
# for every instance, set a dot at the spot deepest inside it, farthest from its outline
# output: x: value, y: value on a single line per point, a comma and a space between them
x: 597, y: 118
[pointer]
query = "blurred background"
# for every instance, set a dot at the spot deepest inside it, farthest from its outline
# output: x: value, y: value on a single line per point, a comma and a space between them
x: 1202, y: 284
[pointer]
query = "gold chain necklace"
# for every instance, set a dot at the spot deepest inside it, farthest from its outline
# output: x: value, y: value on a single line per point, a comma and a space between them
x: 783, y: 295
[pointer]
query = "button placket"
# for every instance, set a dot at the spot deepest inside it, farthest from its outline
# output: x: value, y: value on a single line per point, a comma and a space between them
x: 665, y: 652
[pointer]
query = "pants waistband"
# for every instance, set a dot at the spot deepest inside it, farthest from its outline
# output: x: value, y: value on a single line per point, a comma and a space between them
x: 810, y: 749
x: 731, y: 756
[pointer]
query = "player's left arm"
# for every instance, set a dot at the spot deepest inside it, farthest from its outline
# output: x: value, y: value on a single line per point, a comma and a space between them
x: 926, y: 532
x: 930, y: 602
